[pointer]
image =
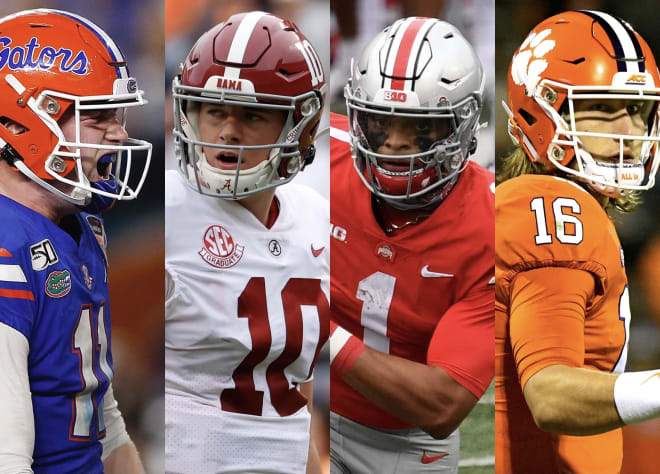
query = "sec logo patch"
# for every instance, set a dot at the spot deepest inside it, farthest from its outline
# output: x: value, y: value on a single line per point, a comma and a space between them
x: 219, y: 249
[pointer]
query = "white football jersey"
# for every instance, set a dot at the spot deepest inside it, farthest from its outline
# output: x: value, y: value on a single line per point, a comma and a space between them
x: 246, y: 315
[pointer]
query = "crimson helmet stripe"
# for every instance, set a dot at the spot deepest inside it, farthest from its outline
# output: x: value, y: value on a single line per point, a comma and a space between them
x: 404, y: 51
x: 239, y: 43
x: 626, y: 47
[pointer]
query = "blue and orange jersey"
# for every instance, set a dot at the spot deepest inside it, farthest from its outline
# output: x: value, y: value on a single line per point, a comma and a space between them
x: 54, y: 290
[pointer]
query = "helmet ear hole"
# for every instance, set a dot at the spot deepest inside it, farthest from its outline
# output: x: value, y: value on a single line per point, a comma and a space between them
x: 529, y: 118
x: 12, y: 126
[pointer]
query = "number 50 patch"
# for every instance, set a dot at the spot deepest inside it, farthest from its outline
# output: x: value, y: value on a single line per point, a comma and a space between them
x: 43, y: 255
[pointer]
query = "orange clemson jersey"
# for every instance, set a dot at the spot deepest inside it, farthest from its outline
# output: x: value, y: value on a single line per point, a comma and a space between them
x: 545, y: 222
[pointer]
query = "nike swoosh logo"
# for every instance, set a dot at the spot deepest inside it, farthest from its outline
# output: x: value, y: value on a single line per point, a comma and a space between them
x: 316, y: 252
x: 429, y: 459
x: 426, y: 273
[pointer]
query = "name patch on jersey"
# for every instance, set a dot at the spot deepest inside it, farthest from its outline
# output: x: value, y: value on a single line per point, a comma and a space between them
x: 32, y: 56
x: 43, y: 255
x: 219, y: 248
x: 58, y: 283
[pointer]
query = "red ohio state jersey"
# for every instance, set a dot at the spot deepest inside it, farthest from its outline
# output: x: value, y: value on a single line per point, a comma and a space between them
x: 425, y: 293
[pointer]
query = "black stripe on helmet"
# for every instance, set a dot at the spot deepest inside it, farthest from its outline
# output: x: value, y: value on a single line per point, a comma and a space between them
x: 621, y: 62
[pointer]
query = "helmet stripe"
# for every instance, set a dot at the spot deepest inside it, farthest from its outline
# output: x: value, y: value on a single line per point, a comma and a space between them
x: 110, y: 46
x: 417, y: 47
x: 636, y: 45
x: 406, y: 40
x: 240, y: 42
x: 626, y: 47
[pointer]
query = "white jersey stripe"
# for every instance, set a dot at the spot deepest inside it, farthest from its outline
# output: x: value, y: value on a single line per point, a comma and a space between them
x: 624, y: 38
x: 12, y: 273
x: 240, y: 42
x: 340, y: 134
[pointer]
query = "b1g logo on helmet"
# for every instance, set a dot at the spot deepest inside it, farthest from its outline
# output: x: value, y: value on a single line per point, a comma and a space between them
x: 29, y: 56
x: 219, y: 248
x: 395, y: 96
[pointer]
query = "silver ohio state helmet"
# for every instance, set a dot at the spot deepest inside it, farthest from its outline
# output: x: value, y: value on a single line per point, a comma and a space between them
x: 424, y: 73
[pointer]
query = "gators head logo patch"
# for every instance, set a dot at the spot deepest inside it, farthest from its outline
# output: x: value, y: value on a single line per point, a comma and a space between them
x: 58, y: 283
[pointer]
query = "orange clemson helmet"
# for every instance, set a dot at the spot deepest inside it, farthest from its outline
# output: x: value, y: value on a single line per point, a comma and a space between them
x: 54, y: 63
x: 585, y: 55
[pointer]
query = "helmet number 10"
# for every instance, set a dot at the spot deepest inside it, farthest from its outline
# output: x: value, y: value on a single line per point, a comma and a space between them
x: 312, y: 60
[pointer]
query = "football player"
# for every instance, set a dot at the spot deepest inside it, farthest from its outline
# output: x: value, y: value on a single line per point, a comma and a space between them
x: 64, y: 88
x: 583, y: 109
x: 412, y: 278
x: 247, y: 278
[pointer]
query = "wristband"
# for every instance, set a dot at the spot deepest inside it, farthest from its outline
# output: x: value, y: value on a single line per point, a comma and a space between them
x: 344, y: 349
x: 637, y: 396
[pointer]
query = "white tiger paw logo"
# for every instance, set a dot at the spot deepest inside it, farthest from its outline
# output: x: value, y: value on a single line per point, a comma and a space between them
x: 528, y: 64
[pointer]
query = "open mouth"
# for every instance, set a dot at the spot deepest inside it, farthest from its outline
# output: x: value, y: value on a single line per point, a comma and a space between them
x: 104, y: 165
x: 398, y: 167
x: 225, y: 160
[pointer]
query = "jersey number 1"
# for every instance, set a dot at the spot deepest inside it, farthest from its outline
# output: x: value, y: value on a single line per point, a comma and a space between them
x: 376, y: 292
